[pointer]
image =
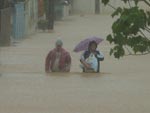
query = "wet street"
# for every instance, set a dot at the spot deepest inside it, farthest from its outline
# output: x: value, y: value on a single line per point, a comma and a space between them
x: 121, y: 87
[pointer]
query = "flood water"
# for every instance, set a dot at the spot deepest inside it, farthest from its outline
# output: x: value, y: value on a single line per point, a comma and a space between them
x: 121, y: 87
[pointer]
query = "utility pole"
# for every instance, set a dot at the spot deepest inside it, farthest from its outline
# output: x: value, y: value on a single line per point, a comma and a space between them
x: 97, y: 6
x: 50, y: 14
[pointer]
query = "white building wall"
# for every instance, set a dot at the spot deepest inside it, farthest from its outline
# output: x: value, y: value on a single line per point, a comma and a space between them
x: 116, y: 3
x: 84, y: 6
x: 88, y: 6
x: 65, y: 11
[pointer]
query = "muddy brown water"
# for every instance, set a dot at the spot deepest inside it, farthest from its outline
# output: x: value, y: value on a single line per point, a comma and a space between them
x: 121, y: 87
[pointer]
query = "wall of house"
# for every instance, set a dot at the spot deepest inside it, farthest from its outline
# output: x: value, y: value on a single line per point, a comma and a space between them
x: 88, y: 6
x: 115, y: 3
x: 84, y: 6
x: 31, y: 16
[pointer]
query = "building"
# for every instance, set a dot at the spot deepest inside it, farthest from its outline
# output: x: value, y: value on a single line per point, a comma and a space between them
x: 31, y: 16
x: 5, y: 23
x: 95, y: 6
x: 24, y: 18
x: 83, y: 6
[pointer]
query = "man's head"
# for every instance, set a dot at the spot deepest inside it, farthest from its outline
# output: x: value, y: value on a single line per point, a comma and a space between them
x: 59, y: 44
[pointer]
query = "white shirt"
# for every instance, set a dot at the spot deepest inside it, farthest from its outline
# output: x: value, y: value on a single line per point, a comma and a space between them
x: 56, y: 62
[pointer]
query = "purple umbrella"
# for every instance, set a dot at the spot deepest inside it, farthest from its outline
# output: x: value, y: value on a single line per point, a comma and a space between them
x: 83, y: 45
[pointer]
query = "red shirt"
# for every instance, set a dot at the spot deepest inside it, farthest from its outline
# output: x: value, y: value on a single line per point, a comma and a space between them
x: 64, y: 62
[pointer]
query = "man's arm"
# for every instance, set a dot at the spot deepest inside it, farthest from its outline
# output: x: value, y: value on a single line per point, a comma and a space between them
x: 47, y: 62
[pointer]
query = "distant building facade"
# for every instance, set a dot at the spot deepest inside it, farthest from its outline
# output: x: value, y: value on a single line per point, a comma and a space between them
x: 31, y: 15
x: 95, y: 6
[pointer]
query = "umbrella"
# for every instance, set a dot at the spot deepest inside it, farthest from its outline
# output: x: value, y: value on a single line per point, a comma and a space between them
x: 83, y: 45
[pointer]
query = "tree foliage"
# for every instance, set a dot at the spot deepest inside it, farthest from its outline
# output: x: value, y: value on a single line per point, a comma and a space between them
x: 131, y: 29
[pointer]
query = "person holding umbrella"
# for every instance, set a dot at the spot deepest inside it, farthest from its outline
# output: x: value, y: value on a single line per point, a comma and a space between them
x: 91, y: 58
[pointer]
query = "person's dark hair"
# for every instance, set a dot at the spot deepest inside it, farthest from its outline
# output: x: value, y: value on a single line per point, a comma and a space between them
x: 92, y: 42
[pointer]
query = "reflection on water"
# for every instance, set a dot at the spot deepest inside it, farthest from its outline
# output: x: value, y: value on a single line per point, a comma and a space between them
x: 63, y: 74
x: 74, y: 75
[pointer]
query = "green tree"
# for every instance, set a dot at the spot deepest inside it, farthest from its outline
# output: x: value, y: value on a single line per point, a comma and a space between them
x: 131, y: 29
